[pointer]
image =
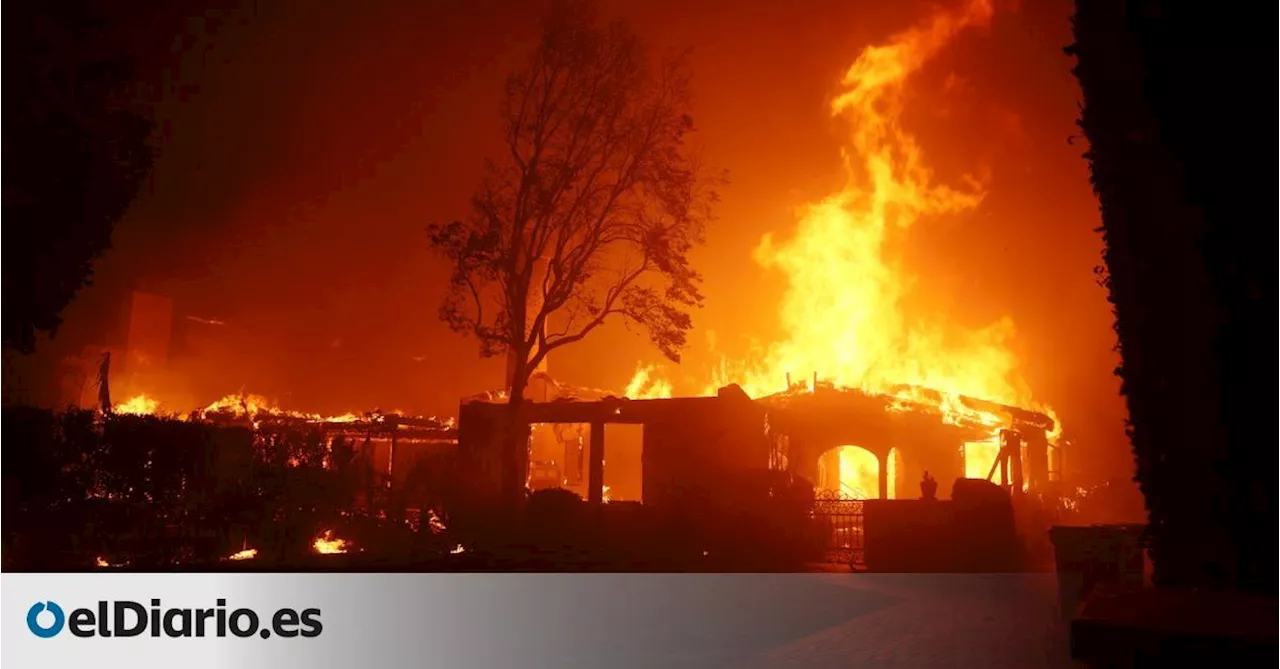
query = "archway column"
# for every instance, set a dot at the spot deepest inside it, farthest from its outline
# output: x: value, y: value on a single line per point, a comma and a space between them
x: 830, y: 470
x: 882, y: 473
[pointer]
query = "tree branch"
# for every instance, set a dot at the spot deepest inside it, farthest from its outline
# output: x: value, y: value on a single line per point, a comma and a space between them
x: 596, y: 207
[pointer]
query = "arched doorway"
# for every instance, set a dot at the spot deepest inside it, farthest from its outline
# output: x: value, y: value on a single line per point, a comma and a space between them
x: 853, y: 472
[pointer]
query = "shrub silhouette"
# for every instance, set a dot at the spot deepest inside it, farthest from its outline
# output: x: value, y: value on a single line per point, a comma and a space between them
x: 1189, y: 273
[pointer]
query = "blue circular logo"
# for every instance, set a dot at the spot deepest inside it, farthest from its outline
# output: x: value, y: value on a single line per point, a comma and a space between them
x: 33, y: 619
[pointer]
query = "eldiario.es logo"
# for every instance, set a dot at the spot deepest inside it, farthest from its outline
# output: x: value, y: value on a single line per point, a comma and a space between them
x: 125, y: 618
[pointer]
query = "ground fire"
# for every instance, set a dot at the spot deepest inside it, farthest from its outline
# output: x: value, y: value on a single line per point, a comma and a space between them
x: 327, y: 544
x: 245, y: 554
x: 243, y: 406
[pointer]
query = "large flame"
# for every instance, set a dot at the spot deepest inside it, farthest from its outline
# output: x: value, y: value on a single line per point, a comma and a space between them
x: 843, y: 315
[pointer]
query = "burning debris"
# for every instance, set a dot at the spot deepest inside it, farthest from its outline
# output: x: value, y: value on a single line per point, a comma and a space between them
x: 245, y: 554
x: 140, y: 405
x: 434, y: 523
x: 258, y: 413
x: 327, y: 544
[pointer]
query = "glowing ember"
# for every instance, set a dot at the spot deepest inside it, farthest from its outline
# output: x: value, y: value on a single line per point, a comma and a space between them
x: 100, y: 562
x: 457, y: 550
x: 605, y: 492
x: 326, y: 544
x: 246, y: 554
x: 434, y: 523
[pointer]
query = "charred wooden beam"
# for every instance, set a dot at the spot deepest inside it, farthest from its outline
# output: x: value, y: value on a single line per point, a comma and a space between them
x: 1009, y: 461
x: 104, y: 383
x: 402, y: 434
x: 1013, y: 446
x: 1017, y: 414
x: 422, y: 422
x: 595, y: 473
x: 1037, y: 458
x: 608, y: 410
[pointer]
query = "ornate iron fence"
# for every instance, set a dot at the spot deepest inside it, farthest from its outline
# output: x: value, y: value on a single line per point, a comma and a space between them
x: 839, y: 519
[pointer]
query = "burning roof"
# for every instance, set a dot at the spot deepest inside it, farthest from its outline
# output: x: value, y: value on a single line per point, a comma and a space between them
x: 258, y: 412
x: 958, y: 410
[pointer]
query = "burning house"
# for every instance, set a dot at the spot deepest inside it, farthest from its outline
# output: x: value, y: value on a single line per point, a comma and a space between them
x: 691, y: 443
x: 908, y: 433
x: 702, y: 457
x: 902, y: 393
x: 688, y: 443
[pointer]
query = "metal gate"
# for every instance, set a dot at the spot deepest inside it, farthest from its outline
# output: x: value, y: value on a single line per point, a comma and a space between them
x: 839, y: 520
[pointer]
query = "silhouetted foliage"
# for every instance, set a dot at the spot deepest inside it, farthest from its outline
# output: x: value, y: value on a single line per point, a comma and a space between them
x: 552, y: 505
x: 597, y: 184
x: 1190, y: 274
x: 76, y: 152
x: 429, y: 483
x: 156, y: 491
x: 592, y: 210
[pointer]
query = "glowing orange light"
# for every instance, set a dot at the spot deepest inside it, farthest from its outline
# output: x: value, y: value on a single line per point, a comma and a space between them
x: 327, y: 544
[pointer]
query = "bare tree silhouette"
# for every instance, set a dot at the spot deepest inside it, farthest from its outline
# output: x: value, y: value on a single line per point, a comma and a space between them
x: 591, y: 212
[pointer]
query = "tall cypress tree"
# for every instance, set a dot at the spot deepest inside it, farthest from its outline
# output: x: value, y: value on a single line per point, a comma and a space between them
x: 1175, y: 96
x: 76, y: 152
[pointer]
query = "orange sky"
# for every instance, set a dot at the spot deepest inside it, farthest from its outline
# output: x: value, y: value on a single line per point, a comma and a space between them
x: 307, y: 147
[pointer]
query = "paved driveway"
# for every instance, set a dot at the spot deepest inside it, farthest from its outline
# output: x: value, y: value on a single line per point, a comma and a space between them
x: 961, y: 621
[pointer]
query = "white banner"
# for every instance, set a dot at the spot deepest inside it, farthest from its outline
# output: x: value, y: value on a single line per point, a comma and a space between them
x: 490, y: 621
